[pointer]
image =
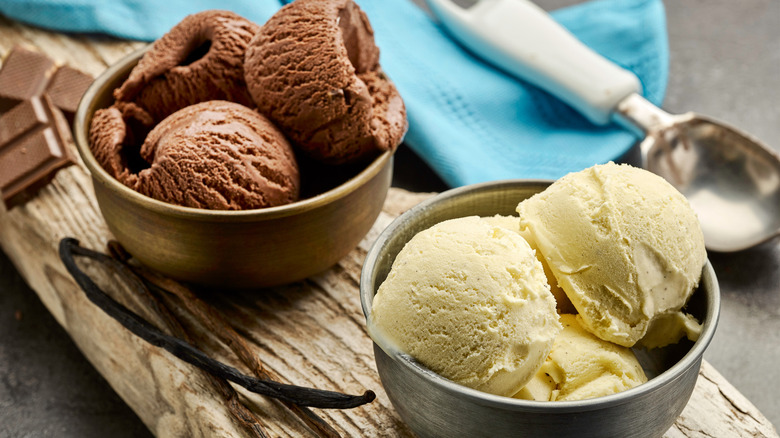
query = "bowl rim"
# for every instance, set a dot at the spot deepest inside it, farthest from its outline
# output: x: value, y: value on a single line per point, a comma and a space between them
x: 491, y: 400
x: 82, y: 119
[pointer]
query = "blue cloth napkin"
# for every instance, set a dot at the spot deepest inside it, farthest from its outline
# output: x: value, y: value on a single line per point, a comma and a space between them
x: 467, y: 120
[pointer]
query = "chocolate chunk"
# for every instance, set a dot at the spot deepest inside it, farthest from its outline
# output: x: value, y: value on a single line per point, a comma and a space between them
x: 37, y: 104
x: 24, y: 74
x: 66, y: 88
x: 19, y: 120
x: 34, y: 141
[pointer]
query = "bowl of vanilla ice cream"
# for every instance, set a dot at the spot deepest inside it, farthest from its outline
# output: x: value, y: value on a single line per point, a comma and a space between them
x: 574, y: 308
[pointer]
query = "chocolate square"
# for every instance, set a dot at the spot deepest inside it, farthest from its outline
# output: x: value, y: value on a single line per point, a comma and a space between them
x: 65, y: 89
x: 24, y: 74
x: 34, y: 139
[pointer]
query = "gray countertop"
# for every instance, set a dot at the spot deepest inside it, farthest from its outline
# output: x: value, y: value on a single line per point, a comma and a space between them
x: 725, y: 63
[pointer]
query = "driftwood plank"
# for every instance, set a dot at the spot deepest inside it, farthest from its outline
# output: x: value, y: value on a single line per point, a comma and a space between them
x: 310, y: 333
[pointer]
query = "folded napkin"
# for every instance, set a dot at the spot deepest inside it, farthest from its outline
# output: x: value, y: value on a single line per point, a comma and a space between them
x: 467, y: 120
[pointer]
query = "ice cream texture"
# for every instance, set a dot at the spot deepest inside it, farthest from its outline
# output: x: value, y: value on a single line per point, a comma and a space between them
x: 623, y: 244
x: 314, y: 70
x: 469, y: 300
x: 513, y: 223
x: 472, y: 298
x: 201, y: 58
x: 214, y: 155
x: 317, y: 90
x: 582, y: 366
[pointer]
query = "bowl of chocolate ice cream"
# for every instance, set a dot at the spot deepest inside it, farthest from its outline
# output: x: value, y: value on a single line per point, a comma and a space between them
x: 463, y: 293
x: 201, y: 176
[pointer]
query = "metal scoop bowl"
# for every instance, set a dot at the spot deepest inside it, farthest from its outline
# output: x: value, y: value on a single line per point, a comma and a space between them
x: 731, y: 179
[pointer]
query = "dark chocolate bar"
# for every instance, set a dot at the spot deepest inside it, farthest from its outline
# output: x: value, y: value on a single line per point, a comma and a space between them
x: 37, y: 104
x: 24, y: 74
x: 34, y: 139
x: 65, y: 89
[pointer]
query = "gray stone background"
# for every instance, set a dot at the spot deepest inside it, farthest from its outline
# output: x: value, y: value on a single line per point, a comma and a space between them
x: 725, y: 63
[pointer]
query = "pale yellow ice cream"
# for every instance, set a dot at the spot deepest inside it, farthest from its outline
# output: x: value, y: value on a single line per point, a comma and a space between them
x: 581, y: 366
x: 624, y: 245
x: 469, y: 300
x: 670, y: 328
x: 563, y: 303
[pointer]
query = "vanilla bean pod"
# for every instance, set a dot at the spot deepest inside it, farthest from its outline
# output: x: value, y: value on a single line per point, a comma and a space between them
x: 240, y: 412
x: 215, y: 323
x: 186, y: 352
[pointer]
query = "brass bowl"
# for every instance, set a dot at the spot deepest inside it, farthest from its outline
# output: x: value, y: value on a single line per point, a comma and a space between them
x: 433, y: 406
x: 231, y: 249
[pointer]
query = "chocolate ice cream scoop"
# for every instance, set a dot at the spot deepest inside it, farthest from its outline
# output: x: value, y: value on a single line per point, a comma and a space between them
x: 215, y: 155
x: 314, y: 70
x: 199, y: 59
x: 115, y: 135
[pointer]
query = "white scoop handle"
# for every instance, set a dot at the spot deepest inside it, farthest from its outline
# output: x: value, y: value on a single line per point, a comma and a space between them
x: 521, y: 38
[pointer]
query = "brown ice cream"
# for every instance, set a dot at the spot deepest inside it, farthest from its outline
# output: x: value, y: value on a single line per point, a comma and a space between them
x: 313, y: 69
x: 199, y: 59
x: 215, y: 155
x: 182, y: 130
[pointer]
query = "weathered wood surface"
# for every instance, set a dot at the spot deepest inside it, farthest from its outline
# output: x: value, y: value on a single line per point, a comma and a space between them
x: 310, y: 333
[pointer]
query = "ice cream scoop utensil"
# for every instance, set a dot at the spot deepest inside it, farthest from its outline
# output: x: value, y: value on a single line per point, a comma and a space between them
x: 731, y: 179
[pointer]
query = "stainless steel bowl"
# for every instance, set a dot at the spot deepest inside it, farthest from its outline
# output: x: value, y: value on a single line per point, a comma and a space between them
x: 232, y: 249
x: 436, y: 407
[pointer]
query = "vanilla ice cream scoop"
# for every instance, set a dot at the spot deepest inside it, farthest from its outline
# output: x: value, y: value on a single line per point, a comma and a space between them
x: 624, y: 245
x: 582, y: 366
x: 513, y: 223
x: 469, y: 300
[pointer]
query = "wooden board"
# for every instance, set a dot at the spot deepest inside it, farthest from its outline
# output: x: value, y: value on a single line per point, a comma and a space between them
x: 310, y: 333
